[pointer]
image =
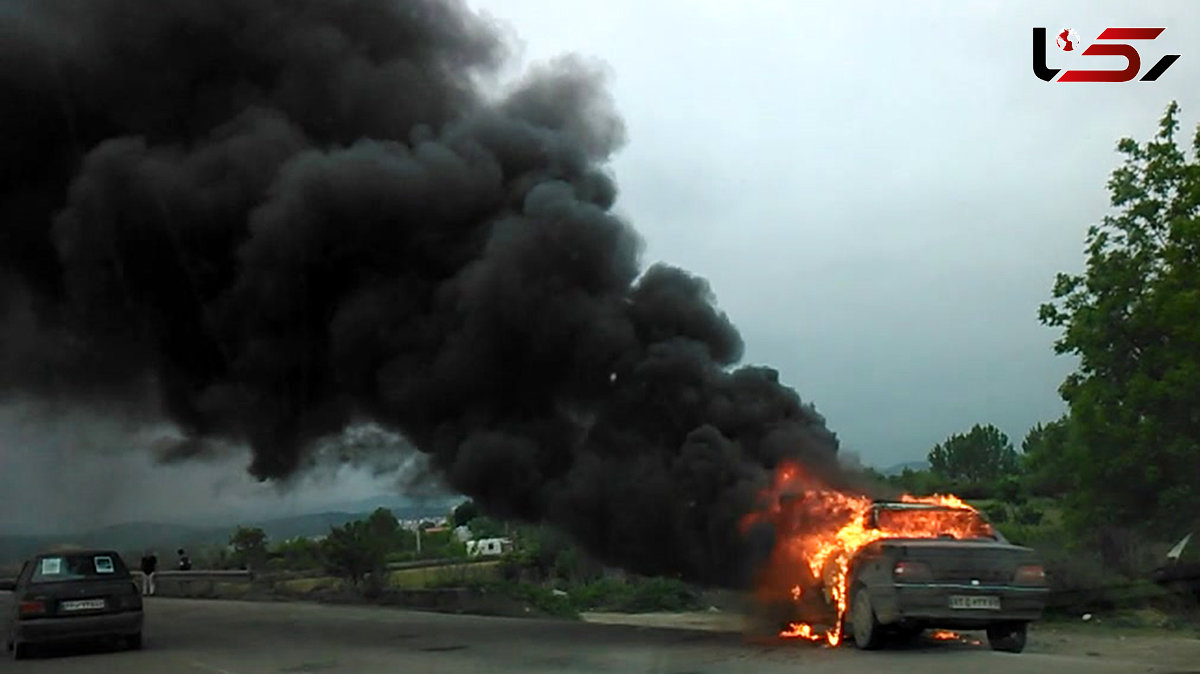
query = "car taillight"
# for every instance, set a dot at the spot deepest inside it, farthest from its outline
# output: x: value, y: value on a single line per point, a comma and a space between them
x: 32, y: 607
x: 1030, y: 574
x: 911, y: 572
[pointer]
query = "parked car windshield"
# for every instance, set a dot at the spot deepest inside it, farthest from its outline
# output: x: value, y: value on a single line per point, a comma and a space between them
x: 78, y: 566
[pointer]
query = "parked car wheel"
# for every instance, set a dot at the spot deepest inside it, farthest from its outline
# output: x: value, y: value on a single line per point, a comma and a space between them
x: 1009, y: 638
x: 134, y: 642
x: 865, y: 627
x: 19, y: 650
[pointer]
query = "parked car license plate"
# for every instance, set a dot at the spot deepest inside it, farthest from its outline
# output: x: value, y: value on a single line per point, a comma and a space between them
x: 989, y: 603
x: 82, y: 605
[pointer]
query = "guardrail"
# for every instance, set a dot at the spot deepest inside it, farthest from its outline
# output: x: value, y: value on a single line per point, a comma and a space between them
x: 201, y: 583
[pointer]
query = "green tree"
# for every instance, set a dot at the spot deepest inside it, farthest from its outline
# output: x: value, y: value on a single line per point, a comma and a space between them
x: 1045, y: 460
x: 299, y: 553
x: 384, y: 527
x: 981, y: 454
x: 921, y: 482
x: 1131, y: 318
x: 353, y: 551
x: 249, y: 546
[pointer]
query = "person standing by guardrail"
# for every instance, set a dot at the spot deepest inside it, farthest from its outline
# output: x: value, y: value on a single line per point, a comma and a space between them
x: 149, y: 567
x: 185, y: 564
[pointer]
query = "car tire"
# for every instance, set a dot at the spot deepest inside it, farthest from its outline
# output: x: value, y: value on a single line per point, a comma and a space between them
x: 864, y: 624
x: 134, y: 642
x: 1008, y: 638
x: 19, y: 650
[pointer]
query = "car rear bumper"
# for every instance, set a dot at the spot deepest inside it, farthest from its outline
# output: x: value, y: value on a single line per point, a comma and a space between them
x: 929, y: 603
x: 42, y: 630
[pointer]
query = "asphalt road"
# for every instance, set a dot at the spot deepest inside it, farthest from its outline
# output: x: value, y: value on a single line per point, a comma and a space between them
x: 228, y: 637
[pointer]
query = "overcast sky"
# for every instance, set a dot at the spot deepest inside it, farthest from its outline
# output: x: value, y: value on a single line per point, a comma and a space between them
x: 880, y: 193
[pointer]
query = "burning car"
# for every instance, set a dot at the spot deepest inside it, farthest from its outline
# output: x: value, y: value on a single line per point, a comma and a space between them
x: 968, y: 577
x: 846, y: 564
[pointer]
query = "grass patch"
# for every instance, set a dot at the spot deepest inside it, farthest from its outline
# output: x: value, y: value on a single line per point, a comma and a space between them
x: 309, y: 585
x: 638, y: 596
x: 537, y: 597
x: 1127, y: 622
x: 456, y: 575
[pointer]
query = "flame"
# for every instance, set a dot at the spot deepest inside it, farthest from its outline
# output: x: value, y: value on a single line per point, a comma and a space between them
x: 819, y: 529
x: 947, y: 635
x: 801, y: 631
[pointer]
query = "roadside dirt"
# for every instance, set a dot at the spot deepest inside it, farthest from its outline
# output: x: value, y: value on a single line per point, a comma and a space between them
x: 1164, y: 648
x: 1175, y: 650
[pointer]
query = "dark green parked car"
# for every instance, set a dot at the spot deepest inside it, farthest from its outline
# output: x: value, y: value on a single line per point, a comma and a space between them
x: 70, y: 596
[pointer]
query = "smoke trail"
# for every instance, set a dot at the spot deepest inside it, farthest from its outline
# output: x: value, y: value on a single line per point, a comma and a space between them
x: 282, y: 217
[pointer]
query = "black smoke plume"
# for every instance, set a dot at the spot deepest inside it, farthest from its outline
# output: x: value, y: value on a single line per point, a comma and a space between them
x: 287, y: 216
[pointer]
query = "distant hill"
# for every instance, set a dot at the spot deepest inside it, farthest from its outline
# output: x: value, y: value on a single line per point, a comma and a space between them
x: 403, y: 507
x: 166, y: 537
x: 911, y: 465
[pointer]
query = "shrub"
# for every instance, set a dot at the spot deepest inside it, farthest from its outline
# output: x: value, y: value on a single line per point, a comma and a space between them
x: 662, y: 594
x: 997, y: 513
x: 638, y: 596
x: 1029, y: 514
x: 975, y: 490
x: 1080, y: 579
x: 538, y: 597
x: 1010, y: 490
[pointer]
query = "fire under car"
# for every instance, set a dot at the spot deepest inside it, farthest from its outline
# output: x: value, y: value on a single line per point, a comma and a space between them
x: 896, y: 586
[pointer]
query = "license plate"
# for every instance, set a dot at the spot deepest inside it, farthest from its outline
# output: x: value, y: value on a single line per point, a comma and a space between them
x: 82, y: 605
x: 988, y: 603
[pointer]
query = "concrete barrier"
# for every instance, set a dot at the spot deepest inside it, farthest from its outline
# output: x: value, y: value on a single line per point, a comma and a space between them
x: 197, y: 582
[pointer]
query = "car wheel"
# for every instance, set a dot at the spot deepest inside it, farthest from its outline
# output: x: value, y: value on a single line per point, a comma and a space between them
x: 134, y: 642
x: 864, y: 624
x: 20, y: 651
x: 1009, y: 638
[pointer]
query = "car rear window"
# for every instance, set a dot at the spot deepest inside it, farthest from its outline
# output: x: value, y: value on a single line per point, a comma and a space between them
x: 934, y: 522
x: 76, y: 566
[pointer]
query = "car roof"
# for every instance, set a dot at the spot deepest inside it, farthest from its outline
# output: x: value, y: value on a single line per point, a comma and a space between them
x: 80, y: 551
x: 909, y: 505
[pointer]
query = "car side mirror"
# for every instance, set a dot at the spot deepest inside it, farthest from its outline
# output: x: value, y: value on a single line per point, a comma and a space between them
x: 8, y: 585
